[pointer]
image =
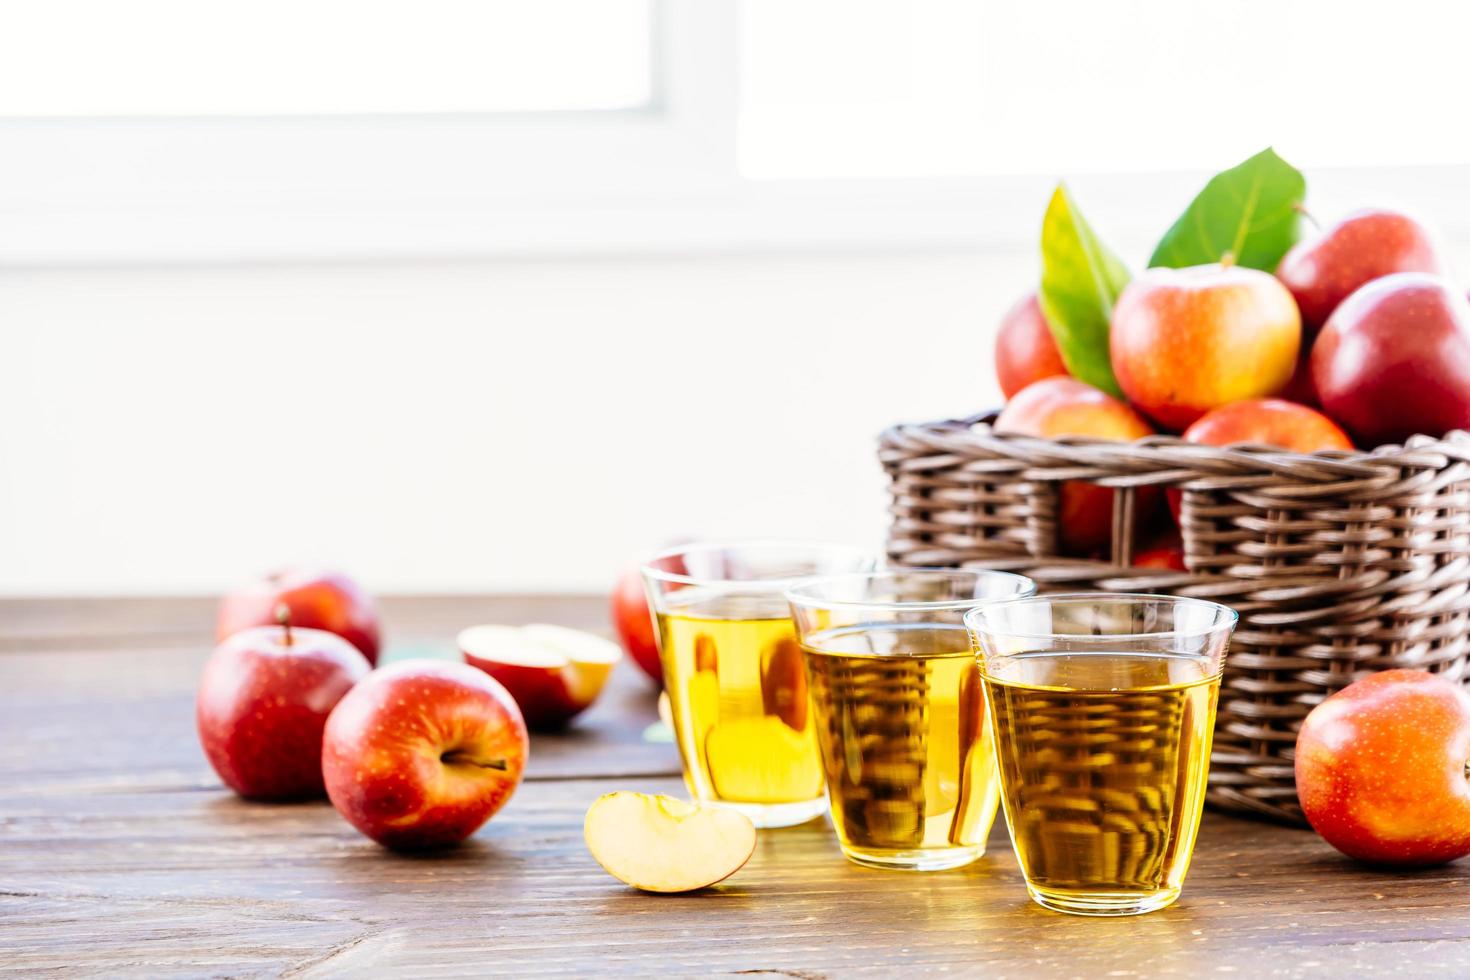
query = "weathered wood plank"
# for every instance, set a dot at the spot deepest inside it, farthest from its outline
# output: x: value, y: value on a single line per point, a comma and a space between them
x: 29, y: 625
x: 201, y: 882
x: 120, y: 854
x: 141, y: 691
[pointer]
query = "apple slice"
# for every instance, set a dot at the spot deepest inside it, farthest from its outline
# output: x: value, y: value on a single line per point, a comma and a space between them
x: 552, y: 672
x: 660, y: 844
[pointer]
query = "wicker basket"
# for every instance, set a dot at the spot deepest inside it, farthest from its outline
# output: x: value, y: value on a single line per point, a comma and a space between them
x: 1340, y: 564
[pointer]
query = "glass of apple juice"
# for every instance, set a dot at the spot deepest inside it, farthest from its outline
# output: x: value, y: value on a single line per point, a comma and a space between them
x: 733, y: 671
x: 1103, y: 708
x: 900, y: 716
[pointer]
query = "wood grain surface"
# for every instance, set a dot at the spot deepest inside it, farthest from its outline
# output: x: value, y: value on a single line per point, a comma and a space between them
x: 121, y: 854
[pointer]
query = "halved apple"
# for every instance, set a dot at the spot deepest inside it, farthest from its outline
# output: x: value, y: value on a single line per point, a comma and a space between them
x: 660, y: 844
x: 553, y: 672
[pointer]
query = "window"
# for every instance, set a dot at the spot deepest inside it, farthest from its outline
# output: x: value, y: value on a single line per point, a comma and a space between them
x: 65, y: 58
x: 171, y: 130
x: 959, y: 88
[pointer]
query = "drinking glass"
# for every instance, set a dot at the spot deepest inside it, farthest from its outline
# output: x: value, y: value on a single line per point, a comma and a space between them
x: 900, y: 717
x: 1103, y: 707
x: 733, y: 671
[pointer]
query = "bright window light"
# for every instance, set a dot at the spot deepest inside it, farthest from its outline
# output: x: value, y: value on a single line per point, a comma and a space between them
x: 914, y: 88
x: 294, y: 57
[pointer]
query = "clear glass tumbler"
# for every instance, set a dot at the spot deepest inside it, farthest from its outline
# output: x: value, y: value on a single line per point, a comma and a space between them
x: 1103, y: 708
x: 733, y: 671
x: 900, y: 716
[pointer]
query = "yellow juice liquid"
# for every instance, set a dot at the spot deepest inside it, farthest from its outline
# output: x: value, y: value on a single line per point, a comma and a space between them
x: 1103, y: 760
x: 742, y: 715
x: 906, y: 752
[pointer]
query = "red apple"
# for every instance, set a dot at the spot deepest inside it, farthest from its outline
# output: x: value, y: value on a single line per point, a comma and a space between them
x: 1056, y: 407
x: 263, y: 700
x: 423, y: 752
x: 1394, y: 360
x: 317, y: 599
x: 1264, y: 422
x: 1025, y: 350
x: 634, y: 623
x: 1268, y: 422
x: 1380, y: 769
x: 1321, y: 272
x: 1165, y: 558
x: 552, y: 672
x: 1299, y: 389
x: 1184, y: 341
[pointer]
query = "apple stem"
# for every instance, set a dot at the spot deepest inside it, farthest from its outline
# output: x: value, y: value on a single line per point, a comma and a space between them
x: 457, y: 757
x: 283, y: 616
x: 1301, y: 209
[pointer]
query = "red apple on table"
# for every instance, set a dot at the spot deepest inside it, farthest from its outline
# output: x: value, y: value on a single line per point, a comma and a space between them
x: 554, y: 673
x: 1055, y: 407
x: 1394, y: 360
x: 1184, y: 341
x: 1323, y: 271
x: 263, y: 701
x: 422, y: 752
x: 317, y: 598
x: 634, y: 623
x: 1025, y: 350
x: 1380, y: 769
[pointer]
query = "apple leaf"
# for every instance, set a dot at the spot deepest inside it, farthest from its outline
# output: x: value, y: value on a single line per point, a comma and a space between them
x: 1080, y: 282
x: 1251, y: 211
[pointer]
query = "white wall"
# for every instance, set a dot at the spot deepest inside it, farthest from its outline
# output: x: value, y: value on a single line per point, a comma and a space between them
x: 465, y: 426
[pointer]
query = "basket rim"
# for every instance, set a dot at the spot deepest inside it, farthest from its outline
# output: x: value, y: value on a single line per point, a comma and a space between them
x: 1170, y: 451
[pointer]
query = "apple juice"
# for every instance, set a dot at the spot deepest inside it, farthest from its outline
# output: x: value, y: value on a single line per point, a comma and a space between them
x: 742, y: 716
x: 906, y: 752
x: 1103, y: 760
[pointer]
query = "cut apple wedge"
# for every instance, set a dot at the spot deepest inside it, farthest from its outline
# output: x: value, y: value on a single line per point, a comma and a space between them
x: 660, y: 844
x: 553, y: 672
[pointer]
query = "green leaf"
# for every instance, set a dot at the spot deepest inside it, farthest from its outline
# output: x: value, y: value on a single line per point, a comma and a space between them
x: 1080, y: 282
x: 1252, y: 211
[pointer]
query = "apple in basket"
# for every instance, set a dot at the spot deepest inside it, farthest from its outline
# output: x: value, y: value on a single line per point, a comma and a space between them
x: 1025, y: 350
x: 1380, y: 769
x: 554, y: 673
x: 1056, y: 407
x: 1184, y: 341
x: 1394, y: 359
x: 1323, y: 271
x: 1264, y: 422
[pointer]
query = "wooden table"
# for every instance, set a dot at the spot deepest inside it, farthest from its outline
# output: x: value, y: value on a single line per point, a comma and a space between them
x: 121, y: 854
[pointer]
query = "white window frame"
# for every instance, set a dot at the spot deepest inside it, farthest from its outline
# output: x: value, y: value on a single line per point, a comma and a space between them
x: 662, y: 179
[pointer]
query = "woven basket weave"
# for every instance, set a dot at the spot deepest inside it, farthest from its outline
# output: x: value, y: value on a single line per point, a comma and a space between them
x: 1340, y: 564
